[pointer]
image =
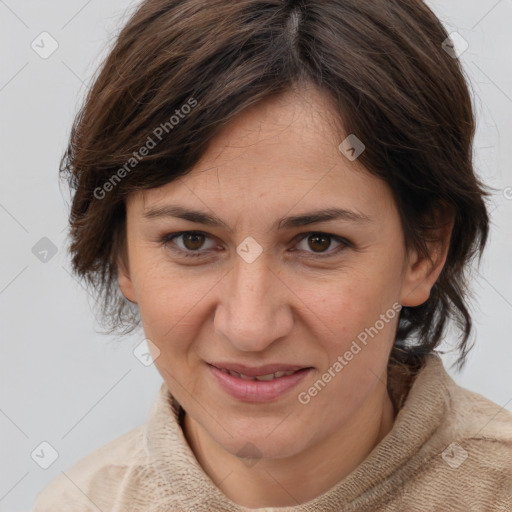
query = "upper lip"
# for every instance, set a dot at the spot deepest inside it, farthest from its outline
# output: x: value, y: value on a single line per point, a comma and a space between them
x: 256, y: 371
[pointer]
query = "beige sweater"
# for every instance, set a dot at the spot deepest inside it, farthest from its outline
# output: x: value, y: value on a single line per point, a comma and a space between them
x: 449, y: 450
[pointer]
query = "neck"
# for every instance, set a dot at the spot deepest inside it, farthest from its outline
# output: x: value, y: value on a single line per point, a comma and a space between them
x: 299, y: 478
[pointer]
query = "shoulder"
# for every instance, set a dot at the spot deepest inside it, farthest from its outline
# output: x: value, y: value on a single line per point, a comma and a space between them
x: 483, y: 429
x: 477, y: 458
x: 468, y: 462
x: 477, y: 418
x: 460, y: 412
x: 92, y: 483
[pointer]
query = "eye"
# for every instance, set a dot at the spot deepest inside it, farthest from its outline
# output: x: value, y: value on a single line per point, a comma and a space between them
x: 191, y: 242
x: 320, y: 242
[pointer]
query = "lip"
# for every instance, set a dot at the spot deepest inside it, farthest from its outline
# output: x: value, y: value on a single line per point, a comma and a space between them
x: 254, y: 371
x: 257, y: 391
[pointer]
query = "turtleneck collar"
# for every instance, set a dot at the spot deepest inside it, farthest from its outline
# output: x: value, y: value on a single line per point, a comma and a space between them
x: 400, y: 453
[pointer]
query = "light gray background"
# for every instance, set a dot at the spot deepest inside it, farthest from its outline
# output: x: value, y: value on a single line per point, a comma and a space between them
x: 61, y: 381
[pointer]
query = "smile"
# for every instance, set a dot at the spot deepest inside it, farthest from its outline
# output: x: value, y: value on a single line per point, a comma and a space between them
x: 269, y: 376
x: 257, y: 385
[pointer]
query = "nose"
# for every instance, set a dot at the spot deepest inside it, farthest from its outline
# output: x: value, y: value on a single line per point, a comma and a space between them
x: 254, y: 308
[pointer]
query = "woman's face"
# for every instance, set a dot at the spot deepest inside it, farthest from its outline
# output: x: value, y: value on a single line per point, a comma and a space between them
x: 249, y: 288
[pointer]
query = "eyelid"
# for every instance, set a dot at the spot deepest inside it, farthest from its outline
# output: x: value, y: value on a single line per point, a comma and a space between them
x: 342, y: 241
x: 168, y: 239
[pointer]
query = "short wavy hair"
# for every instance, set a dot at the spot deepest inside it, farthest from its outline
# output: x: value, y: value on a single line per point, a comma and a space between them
x: 384, y: 64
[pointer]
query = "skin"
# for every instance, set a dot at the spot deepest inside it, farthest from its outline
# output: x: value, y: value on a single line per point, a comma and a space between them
x: 277, y: 158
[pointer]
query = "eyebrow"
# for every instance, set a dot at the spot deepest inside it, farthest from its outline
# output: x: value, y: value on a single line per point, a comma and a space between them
x: 304, y: 219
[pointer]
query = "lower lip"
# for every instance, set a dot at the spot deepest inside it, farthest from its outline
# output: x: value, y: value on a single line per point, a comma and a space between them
x: 257, y: 390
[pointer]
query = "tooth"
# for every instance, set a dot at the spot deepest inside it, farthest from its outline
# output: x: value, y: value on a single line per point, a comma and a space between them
x: 238, y: 375
x: 269, y: 376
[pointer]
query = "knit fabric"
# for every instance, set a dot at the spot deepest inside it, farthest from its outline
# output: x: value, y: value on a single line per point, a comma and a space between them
x: 450, y: 449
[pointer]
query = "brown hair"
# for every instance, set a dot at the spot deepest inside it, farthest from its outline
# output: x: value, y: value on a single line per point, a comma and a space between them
x: 381, y: 62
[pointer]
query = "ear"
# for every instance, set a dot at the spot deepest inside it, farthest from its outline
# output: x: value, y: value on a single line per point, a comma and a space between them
x: 421, y: 272
x: 124, y: 280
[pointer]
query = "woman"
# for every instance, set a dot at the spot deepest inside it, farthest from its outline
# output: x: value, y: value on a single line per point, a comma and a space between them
x: 282, y: 195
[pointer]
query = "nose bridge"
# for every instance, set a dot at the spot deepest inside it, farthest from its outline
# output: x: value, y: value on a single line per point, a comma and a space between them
x: 253, y: 312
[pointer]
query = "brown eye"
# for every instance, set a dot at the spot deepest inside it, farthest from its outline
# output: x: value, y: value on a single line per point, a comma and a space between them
x: 188, y: 243
x: 193, y: 241
x: 319, y: 242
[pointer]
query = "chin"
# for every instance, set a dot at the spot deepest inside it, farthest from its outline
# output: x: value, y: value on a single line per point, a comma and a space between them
x: 255, y: 443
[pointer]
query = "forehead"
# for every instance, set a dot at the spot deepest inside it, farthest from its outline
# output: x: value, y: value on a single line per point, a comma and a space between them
x: 280, y: 153
x: 299, y: 124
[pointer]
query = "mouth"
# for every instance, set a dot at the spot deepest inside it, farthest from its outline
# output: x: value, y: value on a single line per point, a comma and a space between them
x: 267, y: 377
x: 257, y: 384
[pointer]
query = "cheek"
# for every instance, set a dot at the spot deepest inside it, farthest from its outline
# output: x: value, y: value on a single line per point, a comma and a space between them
x: 357, y: 324
x: 171, y: 305
x: 171, y: 313
x: 344, y: 307
x: 356, y: 346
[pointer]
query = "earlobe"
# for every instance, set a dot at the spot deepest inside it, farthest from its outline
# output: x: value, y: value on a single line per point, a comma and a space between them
x: 125, y: 282
x: 422, y: 272
x: 418, y: 281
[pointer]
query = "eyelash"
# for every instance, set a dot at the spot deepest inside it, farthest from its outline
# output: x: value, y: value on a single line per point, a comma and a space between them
x: 166, y: 240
